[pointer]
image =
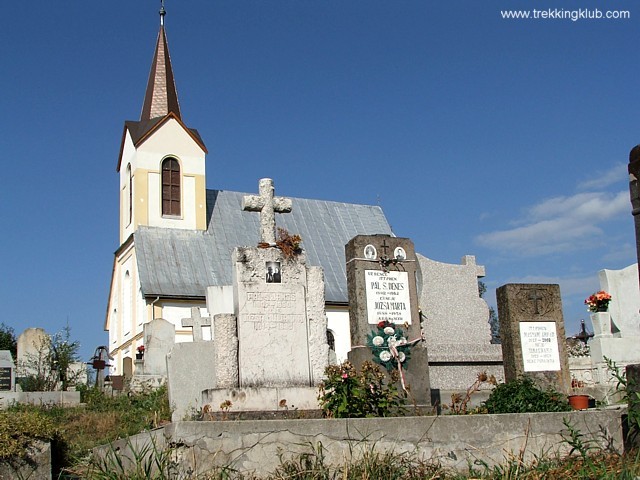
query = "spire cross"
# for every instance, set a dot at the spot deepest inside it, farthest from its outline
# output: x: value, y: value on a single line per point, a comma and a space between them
x: 267, y: 204
x: 196, y: 322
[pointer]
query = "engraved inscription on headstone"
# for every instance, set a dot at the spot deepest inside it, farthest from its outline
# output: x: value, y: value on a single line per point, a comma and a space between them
x: 387, y: 297
x: 539, y: 346
x: 7, y: 372
x: 5, y: 379
x: 272, y: 332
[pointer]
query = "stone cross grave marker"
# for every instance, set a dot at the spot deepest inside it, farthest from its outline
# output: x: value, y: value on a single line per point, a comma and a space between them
x: 267, y: 204
x: 533, y: 335
x: 196, y: 322
x: 381, y: 282
x: 281, y: 325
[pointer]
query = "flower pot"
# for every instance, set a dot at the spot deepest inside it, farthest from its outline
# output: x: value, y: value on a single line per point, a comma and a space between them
x: 579, y: 402
x: 139, y: 356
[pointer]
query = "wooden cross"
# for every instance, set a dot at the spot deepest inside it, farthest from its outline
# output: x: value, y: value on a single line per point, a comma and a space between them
x: 196, y: 322
x: 267, y: 205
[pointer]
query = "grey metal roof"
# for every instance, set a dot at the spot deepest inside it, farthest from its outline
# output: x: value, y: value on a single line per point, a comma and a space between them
x: 182, y: 263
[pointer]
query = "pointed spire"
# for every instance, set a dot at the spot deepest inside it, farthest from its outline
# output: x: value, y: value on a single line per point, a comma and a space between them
x: 161, y: 96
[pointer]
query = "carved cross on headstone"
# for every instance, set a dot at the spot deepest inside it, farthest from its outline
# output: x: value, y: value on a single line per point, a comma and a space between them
x: 535, y: 298
x: 267, y: 205
x: 384, y: 247
x: 196, y: 322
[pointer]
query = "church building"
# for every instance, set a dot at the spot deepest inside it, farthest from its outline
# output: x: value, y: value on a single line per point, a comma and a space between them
x: 176, y: 236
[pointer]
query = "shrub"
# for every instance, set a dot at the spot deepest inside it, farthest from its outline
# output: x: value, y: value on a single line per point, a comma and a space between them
x: 18, y: 430
x: 523, y: 396
x: 349, y: 393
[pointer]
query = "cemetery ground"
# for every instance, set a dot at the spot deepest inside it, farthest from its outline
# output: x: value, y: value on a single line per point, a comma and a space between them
x: 74, y: 431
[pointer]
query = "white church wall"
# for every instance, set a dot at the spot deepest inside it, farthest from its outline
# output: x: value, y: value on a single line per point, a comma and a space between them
x: 338, y: 323
x: 172, y: 137
x: 128, y: 154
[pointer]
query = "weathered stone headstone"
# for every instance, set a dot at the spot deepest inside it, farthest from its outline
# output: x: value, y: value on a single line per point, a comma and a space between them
x: 159, y: 339
x: 281, y: 324
x: 33, y: 347
x: 7, y: 372
x: 381, y: 281
x: 532, y: 333
x: 191, y: 369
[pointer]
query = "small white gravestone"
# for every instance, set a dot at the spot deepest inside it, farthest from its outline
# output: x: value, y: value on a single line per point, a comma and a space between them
x: 617, y: 331
x: 624, y: 308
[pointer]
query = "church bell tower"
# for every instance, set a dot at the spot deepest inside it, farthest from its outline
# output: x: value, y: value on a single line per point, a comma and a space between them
x: 162, y: 161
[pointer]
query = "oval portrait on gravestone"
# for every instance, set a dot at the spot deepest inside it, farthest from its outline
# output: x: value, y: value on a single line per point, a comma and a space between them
x: 370, y: 252
x: 399, y: 253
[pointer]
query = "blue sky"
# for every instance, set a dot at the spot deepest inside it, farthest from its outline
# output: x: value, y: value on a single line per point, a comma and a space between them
x: 504, y: 139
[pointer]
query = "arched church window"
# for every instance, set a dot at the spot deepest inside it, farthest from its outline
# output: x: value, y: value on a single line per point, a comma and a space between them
x: 170, y: 187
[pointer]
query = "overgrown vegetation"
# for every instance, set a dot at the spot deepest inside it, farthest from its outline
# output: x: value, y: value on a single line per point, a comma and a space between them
x: 349, y: 393
x: 76, y: 430
x: 523, y: 396
x: 630, y: 395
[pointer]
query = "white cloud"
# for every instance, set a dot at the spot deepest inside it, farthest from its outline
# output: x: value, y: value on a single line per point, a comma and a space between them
x: 600, y: 180
x: 560, y: 224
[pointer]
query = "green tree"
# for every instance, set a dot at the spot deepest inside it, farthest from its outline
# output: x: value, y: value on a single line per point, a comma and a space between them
x: 8, y: 340
x: 494, y: 323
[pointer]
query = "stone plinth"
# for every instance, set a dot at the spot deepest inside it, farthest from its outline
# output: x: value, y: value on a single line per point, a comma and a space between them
x: 532, y: 333
x: 262, y: 399
x: 381, y: 281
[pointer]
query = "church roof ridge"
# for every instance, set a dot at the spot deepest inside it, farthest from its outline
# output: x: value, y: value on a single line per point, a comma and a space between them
x: 161, y: 96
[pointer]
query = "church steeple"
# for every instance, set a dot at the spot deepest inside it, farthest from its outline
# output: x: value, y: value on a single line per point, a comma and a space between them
x: 161, y: 96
